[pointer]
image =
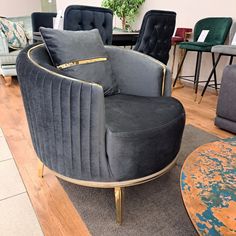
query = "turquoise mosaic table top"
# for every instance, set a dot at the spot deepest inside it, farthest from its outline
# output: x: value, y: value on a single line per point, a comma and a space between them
x: 208, y: 187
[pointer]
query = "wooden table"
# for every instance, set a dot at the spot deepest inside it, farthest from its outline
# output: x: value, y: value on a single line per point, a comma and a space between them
x: 119, y: 38
x: 208, y: 187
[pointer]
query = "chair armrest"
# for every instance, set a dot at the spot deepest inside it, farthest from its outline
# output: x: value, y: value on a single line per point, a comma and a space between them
x: 65, y: 117
x: 139, y: 74
x: 226, y: 107
x: 3, y: 44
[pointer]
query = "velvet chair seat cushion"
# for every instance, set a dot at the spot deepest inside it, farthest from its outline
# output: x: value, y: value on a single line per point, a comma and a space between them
x: 142, y: 133
x: 196, y: 46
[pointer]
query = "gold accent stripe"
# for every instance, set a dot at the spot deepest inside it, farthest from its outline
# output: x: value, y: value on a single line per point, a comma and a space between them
x: 54, y: 73
x: 81, y: 62
x: 125, y: 183
x: 163, y: 80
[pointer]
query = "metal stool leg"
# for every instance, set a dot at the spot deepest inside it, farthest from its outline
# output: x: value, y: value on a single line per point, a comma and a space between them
x: 197, y: 75
x: 231, y: 60
x: 180, y: 67
x: 215, y: 79
x: 173, y: 60
x: 209, y: 78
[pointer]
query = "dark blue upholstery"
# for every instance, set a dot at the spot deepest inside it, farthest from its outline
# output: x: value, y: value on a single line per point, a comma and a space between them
x: 44, y: 19
x: 78, y: 17
x: 156, y: 33
x: 82, y: 135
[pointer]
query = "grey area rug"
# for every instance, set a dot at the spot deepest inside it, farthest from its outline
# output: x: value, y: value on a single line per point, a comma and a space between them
x: 154, y: 208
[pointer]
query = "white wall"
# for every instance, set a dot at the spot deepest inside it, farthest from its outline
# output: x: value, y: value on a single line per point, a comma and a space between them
x: 62, y: 4
x: 189, y: 12
x: 19, y: 7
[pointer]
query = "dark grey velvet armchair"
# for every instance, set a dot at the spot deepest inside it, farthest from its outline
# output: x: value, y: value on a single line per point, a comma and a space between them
x: 106, y: 142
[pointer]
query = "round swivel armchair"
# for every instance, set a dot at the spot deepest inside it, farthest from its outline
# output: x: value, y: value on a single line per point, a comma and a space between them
x: 106, y: 142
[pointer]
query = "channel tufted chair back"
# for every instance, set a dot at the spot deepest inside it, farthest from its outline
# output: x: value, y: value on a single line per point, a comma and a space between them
x: 79, y: 17
x: 156, y: 33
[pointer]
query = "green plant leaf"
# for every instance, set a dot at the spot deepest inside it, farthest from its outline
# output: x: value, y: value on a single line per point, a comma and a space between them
x: 127, y: 9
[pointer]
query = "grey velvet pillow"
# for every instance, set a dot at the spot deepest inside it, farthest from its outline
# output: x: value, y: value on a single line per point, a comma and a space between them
x: 81, y: 55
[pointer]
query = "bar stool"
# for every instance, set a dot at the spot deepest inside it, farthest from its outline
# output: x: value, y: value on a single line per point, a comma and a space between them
x: 181, y: 35
x: 213, y: 31
x: 222, y: 50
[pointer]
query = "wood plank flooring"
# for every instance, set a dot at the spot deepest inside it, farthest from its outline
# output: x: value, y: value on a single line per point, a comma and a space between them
x: 54, y: 210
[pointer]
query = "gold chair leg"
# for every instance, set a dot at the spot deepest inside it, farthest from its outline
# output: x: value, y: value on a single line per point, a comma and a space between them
x: 8, y: 80
x: 118, y: 201
x: 173, y: 60
x: 40, y: 169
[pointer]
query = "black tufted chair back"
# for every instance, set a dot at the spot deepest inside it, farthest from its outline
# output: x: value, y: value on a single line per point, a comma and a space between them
x: 156, y: 33
x: 78, y: 17
x: 44, y: 19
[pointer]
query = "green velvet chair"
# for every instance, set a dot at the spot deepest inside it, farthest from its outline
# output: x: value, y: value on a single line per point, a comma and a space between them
x: 218, y: 30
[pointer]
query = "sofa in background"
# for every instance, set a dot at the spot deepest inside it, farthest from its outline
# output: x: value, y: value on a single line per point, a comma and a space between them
x: 226, y: 106
x: 8, y: 56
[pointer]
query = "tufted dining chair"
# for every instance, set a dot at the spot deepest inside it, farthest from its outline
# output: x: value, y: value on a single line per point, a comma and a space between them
x: 155, y: 35
x: 79, y: 17
x: 181, y: 35
x: 40, y: 19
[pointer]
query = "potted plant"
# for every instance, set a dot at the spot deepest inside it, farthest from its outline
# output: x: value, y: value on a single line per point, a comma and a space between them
x: 126, y: 10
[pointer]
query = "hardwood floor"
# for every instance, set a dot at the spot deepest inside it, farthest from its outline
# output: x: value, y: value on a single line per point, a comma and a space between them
x: 54, y: 210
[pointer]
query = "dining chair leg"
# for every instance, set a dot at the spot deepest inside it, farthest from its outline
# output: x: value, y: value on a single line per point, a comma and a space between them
x: 209, y: 78
x: 231, y: 60
x: 8, y: 80
x: 173, y: 60
x: 180, y: 67
x: 197, y: 75
x: 215, y: 79
x: 118, y: 201
x: 40, y: 168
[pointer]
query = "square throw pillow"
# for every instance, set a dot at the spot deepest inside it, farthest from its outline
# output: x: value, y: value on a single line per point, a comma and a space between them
x: 14, y: 33
x: 80, y: 54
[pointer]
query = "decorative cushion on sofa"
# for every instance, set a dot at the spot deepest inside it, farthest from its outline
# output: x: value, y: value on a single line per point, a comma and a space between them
x: 14, y: 33
x: 80, y: 54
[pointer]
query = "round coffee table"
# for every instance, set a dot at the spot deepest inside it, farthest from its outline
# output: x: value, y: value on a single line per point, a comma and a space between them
x: 208, y: 187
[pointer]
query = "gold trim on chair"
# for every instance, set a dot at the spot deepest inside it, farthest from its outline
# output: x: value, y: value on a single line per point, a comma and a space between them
x: 52, y: 72
x: 118, y: 186
x: 125, y: 183
x: 164, y: 67
x: 81, y: 62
